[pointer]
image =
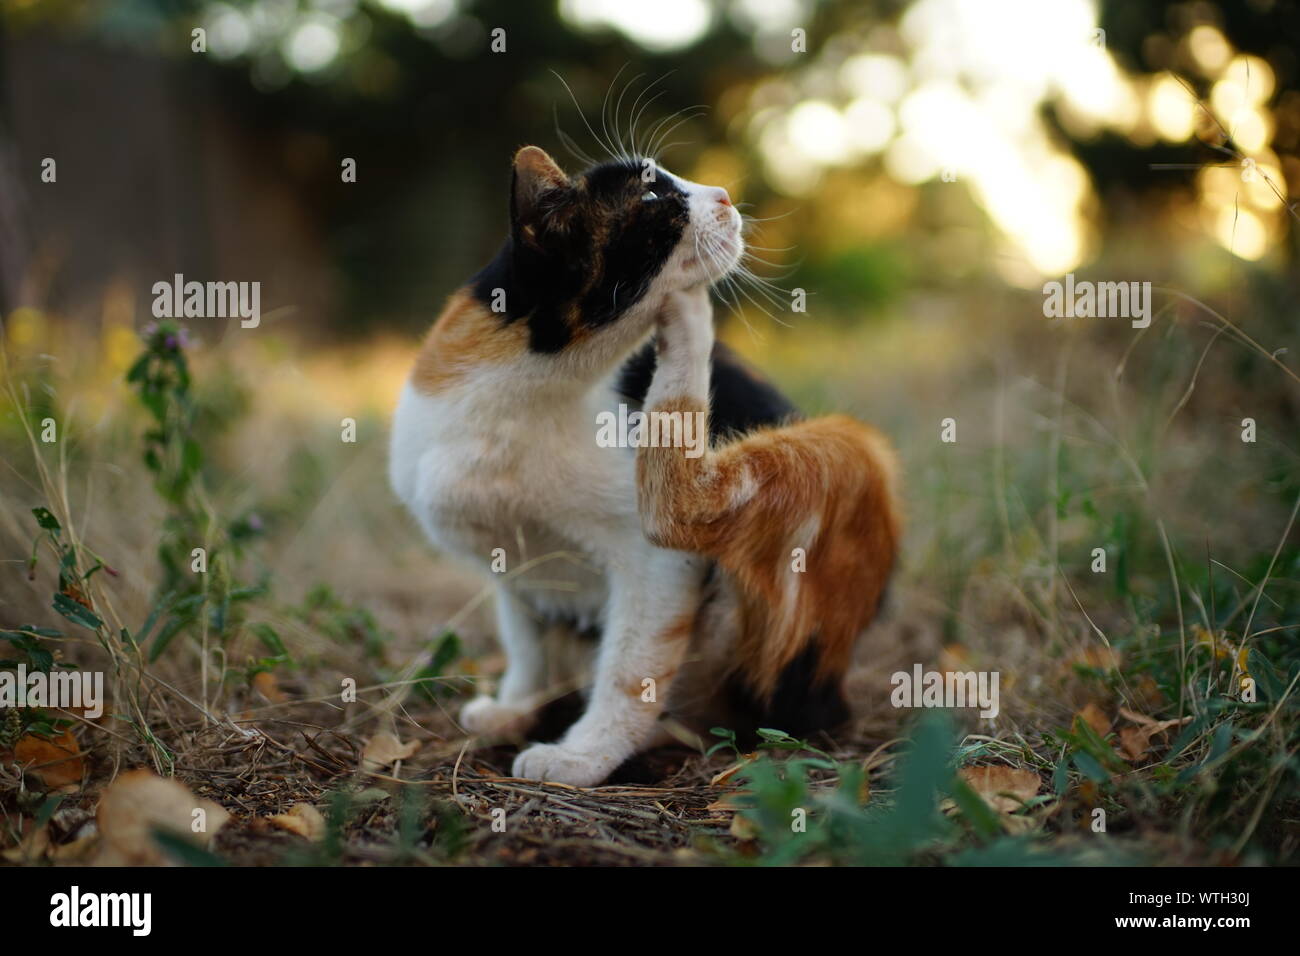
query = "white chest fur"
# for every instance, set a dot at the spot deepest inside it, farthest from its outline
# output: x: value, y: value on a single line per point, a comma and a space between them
x: 520, y: 489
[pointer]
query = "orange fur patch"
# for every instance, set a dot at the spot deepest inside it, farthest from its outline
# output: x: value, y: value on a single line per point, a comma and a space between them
x: 466, y: 336
x: 827, y: 486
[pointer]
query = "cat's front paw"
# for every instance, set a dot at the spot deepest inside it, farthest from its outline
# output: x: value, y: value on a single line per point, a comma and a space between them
x: 483, y: 716
x: 560, y: 764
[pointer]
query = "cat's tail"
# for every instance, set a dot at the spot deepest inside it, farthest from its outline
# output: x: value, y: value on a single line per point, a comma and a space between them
x: 806, y: 521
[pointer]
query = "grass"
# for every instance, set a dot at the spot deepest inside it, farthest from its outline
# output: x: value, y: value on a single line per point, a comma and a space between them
x: 1160, y: 691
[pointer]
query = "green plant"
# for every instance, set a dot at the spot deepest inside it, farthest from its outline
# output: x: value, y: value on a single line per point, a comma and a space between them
x: 200, y: 592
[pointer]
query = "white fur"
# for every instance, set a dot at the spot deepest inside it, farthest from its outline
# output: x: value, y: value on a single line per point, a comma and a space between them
x: 509, y: 460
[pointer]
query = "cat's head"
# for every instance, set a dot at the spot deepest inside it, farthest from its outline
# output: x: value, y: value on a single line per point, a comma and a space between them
x: 606, y: 245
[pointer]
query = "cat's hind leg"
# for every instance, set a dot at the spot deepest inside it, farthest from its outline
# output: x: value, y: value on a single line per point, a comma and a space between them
x: 514, y: 708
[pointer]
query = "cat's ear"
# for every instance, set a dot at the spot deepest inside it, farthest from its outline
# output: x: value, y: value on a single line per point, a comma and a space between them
x: 536, y: 174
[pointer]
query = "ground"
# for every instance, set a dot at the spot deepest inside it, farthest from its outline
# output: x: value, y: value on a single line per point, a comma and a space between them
x: 1120, y: 687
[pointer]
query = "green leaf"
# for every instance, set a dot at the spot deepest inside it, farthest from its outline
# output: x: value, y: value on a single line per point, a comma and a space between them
x: 183, y: 851
x: 76, y: 613
x: 29, y: 629
x: 46, y: 520
x: 152, y: 619
x: 270, y: 639
x: 981, y: 816
x: 47, y: 809
x: 1194, y: 730
x: 1264, y: 674
x: 1089, y: 766
x: 169, y: 631
x: 446, y: 651
x: 138, y: 368
x: 1222, y: 740
x: 1061, y: 776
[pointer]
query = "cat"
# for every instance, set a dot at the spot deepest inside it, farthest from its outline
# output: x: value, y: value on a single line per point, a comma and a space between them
x: 723, y: 587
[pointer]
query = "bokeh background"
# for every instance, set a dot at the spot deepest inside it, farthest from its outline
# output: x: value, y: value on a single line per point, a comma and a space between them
x: 919, y: 168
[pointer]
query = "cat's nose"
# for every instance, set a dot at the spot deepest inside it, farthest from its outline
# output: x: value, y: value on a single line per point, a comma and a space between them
x: 721, y: 196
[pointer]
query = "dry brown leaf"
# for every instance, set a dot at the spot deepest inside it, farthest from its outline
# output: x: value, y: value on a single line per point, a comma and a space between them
x: 991, y: 783
x: 722, y: 777
x: 1095, y: 718
x: 384, y: 748
x: 1134, y: 716
x: 266, y: 684
x: 1135, y: 741
x: 57, y: 762
x: 34, y: 845
x: 954, y: 657
x: 1146, y: 694
x: 303, y: 819
x: 1101, y: 657
x: 728, y: 802
x: 140, y: 802
x: 743, y: 828
x: 79, y: 850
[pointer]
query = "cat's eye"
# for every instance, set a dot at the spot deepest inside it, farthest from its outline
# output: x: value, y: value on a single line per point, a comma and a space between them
x: 649, y: 196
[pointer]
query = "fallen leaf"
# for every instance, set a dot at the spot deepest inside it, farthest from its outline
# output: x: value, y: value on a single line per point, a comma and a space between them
x: 728, y: 802
x: 1135, y: 741
x: 1095, y: 718
x: 722, y: 777
x: 994, y: 784
x: 743, y: 828
x: 79, y: 850
x: 303, y: 819
x: 139, y: 802
x: 1134, y: 716
x: 266, y: 685
x: 1146, y: 693
x: 56, y: 762
x: 383, y: 749
x: 1101, y: 658
x: 953, y: 657
x: 34, y: 845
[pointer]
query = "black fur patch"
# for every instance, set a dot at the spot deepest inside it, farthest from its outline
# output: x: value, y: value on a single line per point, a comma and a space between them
x: 589, y: 252
x: 739, y: 403
x: 800, y: 705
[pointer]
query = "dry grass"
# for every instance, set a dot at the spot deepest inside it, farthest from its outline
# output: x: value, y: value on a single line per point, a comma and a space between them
x: 995, y: 575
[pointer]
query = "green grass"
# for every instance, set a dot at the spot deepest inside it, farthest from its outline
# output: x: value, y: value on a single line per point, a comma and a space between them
x: 1069, y: 439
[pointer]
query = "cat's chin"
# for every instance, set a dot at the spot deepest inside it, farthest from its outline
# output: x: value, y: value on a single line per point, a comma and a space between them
x: 713, y: 268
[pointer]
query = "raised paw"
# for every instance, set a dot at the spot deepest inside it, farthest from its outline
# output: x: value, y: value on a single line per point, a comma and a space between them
x: 559, y: 764
x: 483, y: 716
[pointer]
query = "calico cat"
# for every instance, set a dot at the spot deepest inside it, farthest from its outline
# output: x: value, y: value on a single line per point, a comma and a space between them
x: 724, y: 587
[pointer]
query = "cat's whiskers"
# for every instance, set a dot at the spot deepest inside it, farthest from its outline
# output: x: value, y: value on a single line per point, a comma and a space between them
x: 662, y: 130
x: 618, y: 114
x: 637, y: 111
x: 739, y: 274
x: 583, y: 116
x: 574, y: 149
x: 615, y: 146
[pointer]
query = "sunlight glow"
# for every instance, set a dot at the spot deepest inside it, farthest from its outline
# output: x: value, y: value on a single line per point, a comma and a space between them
x: 313, y: 44
x: 661, y: 26
x: 1172, y: 109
